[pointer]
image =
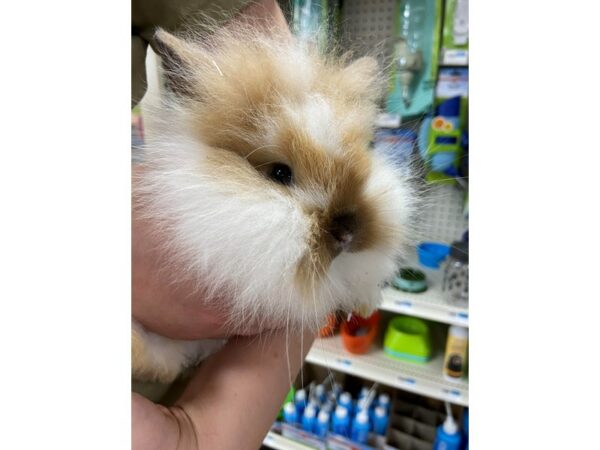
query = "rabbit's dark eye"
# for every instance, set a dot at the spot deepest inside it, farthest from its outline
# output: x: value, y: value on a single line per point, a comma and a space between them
x: 281, y: 173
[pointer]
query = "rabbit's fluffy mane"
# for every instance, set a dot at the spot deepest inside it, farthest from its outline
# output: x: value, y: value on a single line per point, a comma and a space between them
x: 238, y: 101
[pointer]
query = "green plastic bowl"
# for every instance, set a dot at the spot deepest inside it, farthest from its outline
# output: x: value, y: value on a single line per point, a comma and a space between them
x: 407, y: 338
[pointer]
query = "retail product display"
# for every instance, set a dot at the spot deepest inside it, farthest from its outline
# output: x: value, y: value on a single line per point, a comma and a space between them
x: 383, y: 401
x: 440, y: 141
x: 455, y: 358
x: 456, y: 273
x: 453, y: 82
x: 309, y: 418
x: 300, y: 401
x: 448, y: 436
x: 341, y: 421
x: 380, y: 420
x: 319, y: 393
x: 410, y: 280
x: 466, y: 429
x: 289, y: 398
x: 322, y: 425
x: 412, y: 424
x: 345, y: 401
x: 397, y: 144
x: 455, y: 42
x: 290, y: 413
x: 360, y: 427
x: 359, y: 333
x: 408, y: 338
x: 415, y: 56
x: 431, y: 254
x: 353, y: 423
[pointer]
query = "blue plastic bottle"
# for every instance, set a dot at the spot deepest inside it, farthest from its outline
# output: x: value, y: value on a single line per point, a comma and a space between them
x: 322, y: 424
x: 309, y: 419
x: 380, y: 420
x: 363, y: 393
x: 448, y: 436
x: 362, y: 404
x: 328, y: 406
x: 300, y: 401
x: 336, y: 390
x: 314, y: 404
x: 384, y: 401
x: 345, y: 400
x: 290, y: 415
x: 341, y: 421
x: 320, y: 393
x: 466, y: 429
x: 360, y: 427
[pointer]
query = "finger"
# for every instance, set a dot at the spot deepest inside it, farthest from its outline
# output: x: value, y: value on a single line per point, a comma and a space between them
x: 152, y: 426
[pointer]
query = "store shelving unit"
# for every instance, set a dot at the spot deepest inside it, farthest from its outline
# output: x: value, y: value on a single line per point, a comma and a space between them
x: 430, y: 304
x: 425, y: 379
x: 279, y: 442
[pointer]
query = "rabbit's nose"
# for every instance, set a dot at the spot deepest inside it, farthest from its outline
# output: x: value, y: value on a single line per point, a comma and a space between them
x: 343, y: 228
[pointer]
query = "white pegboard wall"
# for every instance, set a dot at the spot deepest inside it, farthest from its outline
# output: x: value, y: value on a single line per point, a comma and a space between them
x: 368, y: 27
x: 442, y: 218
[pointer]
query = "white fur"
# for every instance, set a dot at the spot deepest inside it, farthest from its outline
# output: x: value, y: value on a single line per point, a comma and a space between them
x: 171, y: 355
x: 315, y: 115
x: 246, y: 241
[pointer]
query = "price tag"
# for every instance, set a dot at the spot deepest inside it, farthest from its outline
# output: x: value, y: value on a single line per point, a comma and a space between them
x: 344, y: 362
x: 403, y: 303
x: 456, y: 57
x: 407, y: 380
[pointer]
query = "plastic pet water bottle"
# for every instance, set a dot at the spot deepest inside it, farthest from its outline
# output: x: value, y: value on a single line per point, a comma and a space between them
x: 360, y: 427
x: 290, y: 415
x: 345, y: 400
x: 328, y: 406
x: 447, y: 436
x: 384, y: 401
x: 309, y: 418
x: 322, y: 424
x: 380, y: 420
x: 315, y: 405
x: 363, y: 393
x: 300, y: 401
x: 341, y: 421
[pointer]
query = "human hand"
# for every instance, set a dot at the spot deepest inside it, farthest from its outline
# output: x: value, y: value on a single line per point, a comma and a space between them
x: 231, y: 401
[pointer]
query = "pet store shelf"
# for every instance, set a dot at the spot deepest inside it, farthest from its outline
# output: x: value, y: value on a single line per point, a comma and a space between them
x: 430, y: 304
x: 426, y: 379
x: 278, y: 442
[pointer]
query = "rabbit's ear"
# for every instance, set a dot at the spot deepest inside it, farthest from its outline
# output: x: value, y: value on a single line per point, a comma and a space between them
x: 362, y: 78
x: 178, y: 59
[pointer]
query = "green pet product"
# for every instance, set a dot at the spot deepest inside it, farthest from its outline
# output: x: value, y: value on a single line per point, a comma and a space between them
x: 455, y: 42
x: 408, y: 338
x: 440, y: 141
